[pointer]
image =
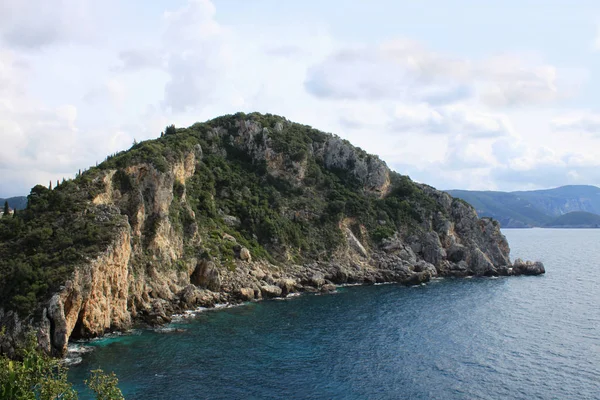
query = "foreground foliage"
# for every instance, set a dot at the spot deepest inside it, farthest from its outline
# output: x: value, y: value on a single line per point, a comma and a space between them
x: 40, y: 377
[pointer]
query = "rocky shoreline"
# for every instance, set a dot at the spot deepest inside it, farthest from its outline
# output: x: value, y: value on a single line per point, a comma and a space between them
x: 209, y: 301
x: 256, y: 281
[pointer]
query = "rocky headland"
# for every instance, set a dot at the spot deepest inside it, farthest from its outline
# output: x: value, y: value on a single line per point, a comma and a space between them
x: 240, y: 208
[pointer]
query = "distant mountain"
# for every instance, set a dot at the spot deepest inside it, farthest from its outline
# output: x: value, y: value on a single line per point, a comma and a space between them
x: 16, y: 203
x: 575, y: 219
x: 537, y: 208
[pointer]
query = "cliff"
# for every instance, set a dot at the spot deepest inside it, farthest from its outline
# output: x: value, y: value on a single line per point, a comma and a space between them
x: 238, y: 208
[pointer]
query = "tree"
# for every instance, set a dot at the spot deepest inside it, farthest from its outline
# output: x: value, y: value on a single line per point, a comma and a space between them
x: 6, y: 209
x: 104, y: 385
x: 170, y: 130
x: 39, y: 376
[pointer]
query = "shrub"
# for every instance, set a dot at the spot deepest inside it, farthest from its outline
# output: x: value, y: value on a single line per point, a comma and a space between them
x: 38, y: 376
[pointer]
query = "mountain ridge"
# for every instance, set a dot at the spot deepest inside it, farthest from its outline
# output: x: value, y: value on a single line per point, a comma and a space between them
x: 15, y: 203
x: 536, y: 208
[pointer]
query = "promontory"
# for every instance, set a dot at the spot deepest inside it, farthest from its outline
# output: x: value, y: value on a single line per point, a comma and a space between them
x: 239, y: 208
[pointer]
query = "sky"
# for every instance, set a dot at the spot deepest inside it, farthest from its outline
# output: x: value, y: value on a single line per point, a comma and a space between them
x: 486, y: 95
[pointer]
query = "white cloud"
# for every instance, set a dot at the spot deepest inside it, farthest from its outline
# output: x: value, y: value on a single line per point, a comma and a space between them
x: 406, y: 71
x: 137, y: 59
x: 585, y: 122
x: 40, y: 142
x: 454, y: 120
x: 112, y: 90
x: 194, y: 52
x: 401, y: 73
x: 33, y: 24
x: 512, y: 81
x: 596, y: 42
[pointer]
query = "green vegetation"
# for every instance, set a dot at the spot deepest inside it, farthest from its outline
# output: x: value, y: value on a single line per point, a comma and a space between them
x: 532, y: 208
x: 283, y: 217
x: 39, y: 377
x: 575, y: 219
x: 42, y: 244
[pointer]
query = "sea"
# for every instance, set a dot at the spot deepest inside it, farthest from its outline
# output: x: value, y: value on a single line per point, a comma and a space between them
x: 527, y: 337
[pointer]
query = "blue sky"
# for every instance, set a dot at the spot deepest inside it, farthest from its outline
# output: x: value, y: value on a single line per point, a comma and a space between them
x: 498, y: 95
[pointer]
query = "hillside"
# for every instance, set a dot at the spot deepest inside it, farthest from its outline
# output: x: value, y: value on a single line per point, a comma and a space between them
x: 15, y: 203
x: 238, y: 208
x: 575, y: 219
x: 534, y: 208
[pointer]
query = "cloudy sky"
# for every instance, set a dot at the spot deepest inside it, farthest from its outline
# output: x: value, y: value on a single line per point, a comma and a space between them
x: 495, y: 94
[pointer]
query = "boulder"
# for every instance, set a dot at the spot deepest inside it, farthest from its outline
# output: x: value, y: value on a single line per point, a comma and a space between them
x: 246, y: 294
x: 287, y: 286
x: 327, y: 288
x: 424, y: 266
x: 158, y: 313
x: 269, y: 291
x: 245, y: 254
x: 206, y: 275
x: 231, y: 221
x: 189, y: 296
x: 258, y: 273
x: 228, y: 237
x: 317, y: 280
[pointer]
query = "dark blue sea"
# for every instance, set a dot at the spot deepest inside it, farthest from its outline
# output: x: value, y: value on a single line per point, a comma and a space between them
x: 480, y: 338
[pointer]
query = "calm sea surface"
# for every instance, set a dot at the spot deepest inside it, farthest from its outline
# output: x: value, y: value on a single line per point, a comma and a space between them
x: 505, y: 338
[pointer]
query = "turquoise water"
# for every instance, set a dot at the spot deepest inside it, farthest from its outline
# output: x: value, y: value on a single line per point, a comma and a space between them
x: 519, y: 337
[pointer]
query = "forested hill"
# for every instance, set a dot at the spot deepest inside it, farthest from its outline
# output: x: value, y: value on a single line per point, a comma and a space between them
x: 238, y: 208
x: 535, y: 208
x: 575, y: 219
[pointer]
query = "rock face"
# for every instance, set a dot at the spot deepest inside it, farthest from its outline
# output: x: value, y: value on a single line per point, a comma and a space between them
x: 164, y: 258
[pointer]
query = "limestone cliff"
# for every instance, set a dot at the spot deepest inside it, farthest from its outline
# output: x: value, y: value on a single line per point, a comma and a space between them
x: 239, y: 208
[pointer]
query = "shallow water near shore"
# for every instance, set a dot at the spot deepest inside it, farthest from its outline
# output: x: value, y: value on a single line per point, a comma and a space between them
x: 481, y: 338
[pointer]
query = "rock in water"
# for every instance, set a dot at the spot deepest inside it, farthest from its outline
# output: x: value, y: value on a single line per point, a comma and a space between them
x: 238, y: 208
x: 528, y: 267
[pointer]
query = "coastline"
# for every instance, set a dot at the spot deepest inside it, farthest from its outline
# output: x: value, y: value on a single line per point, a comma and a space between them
x: 78, y: 348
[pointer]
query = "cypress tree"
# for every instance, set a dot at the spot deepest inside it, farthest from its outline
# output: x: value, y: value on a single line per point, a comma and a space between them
x: 6, y: 208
